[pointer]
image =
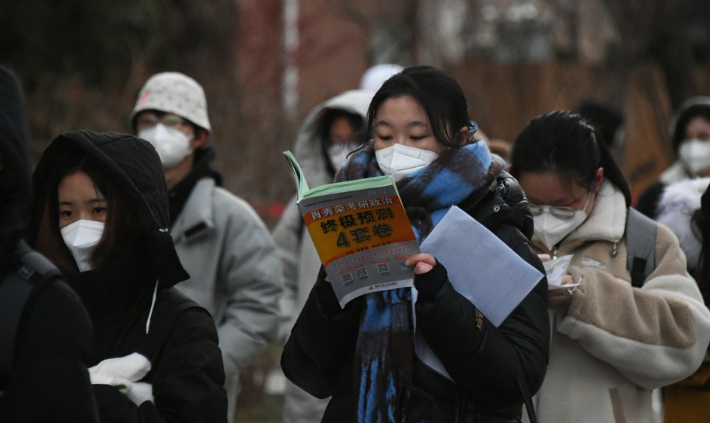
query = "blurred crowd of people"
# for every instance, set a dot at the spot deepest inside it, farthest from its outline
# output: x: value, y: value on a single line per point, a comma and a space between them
x: 135, y: 288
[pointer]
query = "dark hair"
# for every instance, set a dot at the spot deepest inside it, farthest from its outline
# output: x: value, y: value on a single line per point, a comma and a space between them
x: 695, y: 107
x: 331, y: 115
x: 120, y: 230
x: 438, y: 94
x: 562, y: 142
x: 604, y: 117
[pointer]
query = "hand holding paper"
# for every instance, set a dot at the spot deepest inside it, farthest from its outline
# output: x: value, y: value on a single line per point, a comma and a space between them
x: 556, y: 270
x: 461, y: 244
x: 560, y: 284
x: 422, y: 263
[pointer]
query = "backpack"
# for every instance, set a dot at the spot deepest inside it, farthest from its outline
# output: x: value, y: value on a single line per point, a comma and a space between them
x: 640, y: 247
x: 18, y: 290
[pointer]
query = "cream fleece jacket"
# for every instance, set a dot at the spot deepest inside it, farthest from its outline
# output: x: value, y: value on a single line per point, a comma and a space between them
x: 617, y: 343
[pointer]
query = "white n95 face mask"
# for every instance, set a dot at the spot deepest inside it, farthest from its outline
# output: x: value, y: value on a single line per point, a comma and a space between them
x: 550, y: 229
x: 172, y: 144
x: 400, y: 160
x: 81, y: 237
x: 695, y: 155
x: 338, y: 153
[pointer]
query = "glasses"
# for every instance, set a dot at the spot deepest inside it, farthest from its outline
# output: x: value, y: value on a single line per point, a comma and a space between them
x: 560, y: 212
x: 150, y: 119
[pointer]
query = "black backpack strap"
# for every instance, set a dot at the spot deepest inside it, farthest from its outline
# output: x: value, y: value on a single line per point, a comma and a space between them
x: 17, y: 292
x: 525, y: 390
x: 640, y: 247
x: 14, y: 293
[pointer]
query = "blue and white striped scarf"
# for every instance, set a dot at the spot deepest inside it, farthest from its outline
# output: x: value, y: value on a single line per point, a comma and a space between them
x: 385, y: 347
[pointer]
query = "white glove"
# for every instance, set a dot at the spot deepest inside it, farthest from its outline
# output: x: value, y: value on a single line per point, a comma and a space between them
x: 124, y: 374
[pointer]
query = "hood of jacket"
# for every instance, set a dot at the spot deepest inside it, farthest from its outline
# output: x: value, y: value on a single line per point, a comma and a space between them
x: 15, y: 193
x: 503, y: 202
x: 695, y: 106
x: 308, y: 150
x: 135, y: 168
x: 676, y: 207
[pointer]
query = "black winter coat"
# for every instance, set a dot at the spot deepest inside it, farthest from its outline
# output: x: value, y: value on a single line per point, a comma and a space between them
x: 486, y: 364
x: 47, y: 379
x: 177, y: 336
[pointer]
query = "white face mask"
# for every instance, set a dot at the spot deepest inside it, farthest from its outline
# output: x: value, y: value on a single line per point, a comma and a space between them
x: 338, y: 153
x: 172, y: 144
x: 81, y: 237
x: 553, y: 224
x: 550, y: 230
x: 695, y: 155
x: 400, y: 160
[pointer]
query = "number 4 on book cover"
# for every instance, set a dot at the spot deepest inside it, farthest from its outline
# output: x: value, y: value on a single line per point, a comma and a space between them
x: 361, y: 233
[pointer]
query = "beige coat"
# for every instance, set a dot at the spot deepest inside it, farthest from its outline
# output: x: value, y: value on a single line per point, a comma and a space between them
x: 617, y: 343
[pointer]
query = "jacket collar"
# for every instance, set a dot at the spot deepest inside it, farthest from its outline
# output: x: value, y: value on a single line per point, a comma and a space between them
x: 608, y: 219
x: 675, y: 173
x: 197, y: 217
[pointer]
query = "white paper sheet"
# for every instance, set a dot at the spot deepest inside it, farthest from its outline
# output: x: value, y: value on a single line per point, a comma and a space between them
x: 556, y: 269
x: 481, y: 268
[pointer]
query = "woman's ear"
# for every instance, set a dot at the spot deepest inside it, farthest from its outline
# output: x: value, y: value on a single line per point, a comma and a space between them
x: 598, y: 178
x: 462, y: 136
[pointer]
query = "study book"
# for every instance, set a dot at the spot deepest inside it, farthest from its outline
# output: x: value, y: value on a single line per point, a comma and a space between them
x: 361, y: 233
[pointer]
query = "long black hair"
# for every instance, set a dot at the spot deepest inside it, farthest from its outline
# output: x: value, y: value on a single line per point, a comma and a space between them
x: 439, y: 95
x: 562, y: 142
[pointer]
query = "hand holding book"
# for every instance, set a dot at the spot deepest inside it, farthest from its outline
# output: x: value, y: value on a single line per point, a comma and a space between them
x: 361, y: 233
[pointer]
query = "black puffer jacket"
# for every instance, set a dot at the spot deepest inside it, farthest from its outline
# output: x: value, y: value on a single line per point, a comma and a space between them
x: 44, y: 378
x: 176, y: 335
x: 486, y: 364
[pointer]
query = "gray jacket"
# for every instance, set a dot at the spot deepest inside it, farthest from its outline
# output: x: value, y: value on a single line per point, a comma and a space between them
x: 298, y: 254
x: 234, y: 271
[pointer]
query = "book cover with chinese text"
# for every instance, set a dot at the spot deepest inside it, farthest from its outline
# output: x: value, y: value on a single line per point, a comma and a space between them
x: 361, y: 233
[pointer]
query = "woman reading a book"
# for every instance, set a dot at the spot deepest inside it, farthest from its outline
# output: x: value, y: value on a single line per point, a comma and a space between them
x: 101, y: 214
x: 363, y: 355
x: 618, y: 332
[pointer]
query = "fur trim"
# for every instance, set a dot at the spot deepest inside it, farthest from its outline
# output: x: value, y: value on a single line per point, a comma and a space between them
x: 675, y: 209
